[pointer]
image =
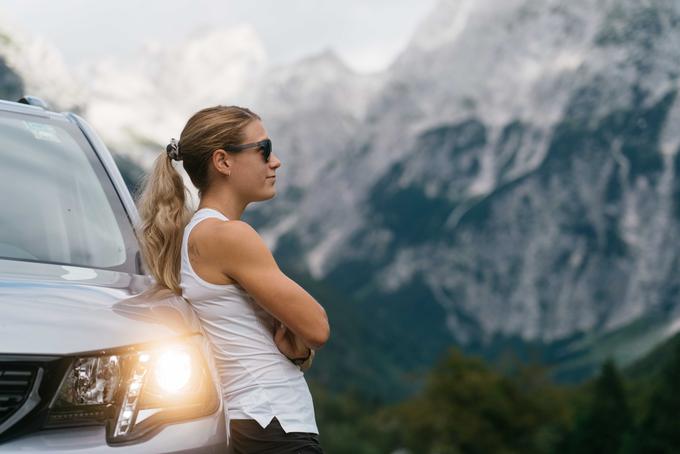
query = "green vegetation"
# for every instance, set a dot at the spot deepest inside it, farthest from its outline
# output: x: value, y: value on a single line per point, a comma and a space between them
x: 467, y: 407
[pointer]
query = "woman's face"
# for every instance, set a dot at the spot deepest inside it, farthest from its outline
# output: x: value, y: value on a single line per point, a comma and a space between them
x: 252, y: 177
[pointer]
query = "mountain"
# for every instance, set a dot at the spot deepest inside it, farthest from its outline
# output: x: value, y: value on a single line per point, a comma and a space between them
x: 509, y: 183
x: 653, y: 363
x: 314, y: 108
x: 513, y: 185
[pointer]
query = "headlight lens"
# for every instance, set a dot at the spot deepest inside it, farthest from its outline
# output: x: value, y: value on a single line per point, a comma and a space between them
x: 173, y: 371
x: 92, y: 380
x: 138, y: 390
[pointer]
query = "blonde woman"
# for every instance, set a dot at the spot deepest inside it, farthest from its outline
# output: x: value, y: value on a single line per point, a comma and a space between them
x: 261, y: 324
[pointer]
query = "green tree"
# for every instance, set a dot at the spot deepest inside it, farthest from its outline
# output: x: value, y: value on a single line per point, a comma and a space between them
x: 605, y: 425
x: 468, y: 408
x: 660, y: 428
x: 349, y: 423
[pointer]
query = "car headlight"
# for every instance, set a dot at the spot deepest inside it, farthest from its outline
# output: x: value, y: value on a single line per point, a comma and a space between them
x: 136, y: 390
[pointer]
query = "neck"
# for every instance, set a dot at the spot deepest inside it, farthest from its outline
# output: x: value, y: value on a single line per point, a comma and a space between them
x: 225, y: 202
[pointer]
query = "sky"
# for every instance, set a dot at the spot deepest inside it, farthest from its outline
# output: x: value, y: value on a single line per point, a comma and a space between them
x: 366, y: 34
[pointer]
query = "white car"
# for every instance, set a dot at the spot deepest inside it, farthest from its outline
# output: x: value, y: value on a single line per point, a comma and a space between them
x: 92, y: 360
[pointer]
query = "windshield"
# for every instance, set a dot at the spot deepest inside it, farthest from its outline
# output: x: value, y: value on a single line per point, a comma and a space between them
x: 58, y: 204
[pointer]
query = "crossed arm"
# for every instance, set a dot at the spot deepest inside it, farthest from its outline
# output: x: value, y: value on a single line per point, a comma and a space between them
x: 242, y: 255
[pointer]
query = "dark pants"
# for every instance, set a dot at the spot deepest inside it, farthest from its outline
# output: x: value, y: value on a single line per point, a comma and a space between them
x: 247, y: 437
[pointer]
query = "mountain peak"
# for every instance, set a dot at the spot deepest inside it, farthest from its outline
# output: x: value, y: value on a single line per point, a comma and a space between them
x: 328, y: 57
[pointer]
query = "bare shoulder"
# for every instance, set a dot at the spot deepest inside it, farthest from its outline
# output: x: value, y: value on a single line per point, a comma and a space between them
x: 230, y: 231
x: 238, y: 234
x: 233, y: 242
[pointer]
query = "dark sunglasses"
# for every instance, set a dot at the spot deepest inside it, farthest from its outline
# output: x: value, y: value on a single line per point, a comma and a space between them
x: 265, y: 145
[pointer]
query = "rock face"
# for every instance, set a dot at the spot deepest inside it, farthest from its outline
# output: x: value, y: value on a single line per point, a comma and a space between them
x: 511, y: 179
x: 518, y: 166
x: 548, y: 182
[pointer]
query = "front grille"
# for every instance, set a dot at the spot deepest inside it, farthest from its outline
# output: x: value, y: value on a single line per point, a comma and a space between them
x: 16, y: 382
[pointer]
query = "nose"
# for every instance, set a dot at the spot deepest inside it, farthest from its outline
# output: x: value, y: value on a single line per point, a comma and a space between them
x: 274, y: 161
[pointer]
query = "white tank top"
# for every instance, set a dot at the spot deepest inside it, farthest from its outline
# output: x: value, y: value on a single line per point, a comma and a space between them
x: 258, y: 381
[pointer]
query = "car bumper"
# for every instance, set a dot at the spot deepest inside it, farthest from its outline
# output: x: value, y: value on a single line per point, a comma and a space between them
x: 205, y: 435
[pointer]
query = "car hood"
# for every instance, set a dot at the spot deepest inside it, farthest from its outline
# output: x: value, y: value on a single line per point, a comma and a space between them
x: 55, y: 309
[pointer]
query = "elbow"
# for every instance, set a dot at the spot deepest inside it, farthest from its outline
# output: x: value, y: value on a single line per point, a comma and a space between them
x: 319, y: 337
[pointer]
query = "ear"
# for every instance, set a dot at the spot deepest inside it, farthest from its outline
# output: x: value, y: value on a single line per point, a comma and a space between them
x: 222, y: 161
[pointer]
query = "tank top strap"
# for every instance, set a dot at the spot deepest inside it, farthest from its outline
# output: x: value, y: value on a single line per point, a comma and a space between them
x: 200, y: 215
x: 205, y: 213
x: 186, y: 270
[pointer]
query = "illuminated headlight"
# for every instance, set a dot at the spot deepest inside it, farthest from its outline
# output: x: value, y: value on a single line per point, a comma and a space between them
x: 136, y: 391
x: 173, y: 370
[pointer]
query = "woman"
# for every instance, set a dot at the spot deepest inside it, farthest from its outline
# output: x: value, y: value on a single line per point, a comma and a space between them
x: 261, y: 324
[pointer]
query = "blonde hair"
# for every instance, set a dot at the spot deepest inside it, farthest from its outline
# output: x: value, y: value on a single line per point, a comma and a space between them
x: 162, y: 203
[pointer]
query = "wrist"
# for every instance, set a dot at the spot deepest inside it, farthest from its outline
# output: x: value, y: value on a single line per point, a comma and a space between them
x: 301, y: 360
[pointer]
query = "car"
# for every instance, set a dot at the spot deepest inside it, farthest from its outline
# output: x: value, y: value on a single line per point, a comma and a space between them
x: 93, y: 356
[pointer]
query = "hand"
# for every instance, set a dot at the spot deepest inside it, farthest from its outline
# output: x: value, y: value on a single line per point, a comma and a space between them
x: 289, y: 344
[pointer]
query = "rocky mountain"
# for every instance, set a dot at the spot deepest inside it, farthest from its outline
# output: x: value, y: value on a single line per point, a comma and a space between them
x: 513, y: 184
x: 510, y: 182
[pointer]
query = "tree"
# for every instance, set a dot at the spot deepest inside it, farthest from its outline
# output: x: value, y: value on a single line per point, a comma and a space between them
x: 605, y: 425
x: 468, y: 408
x: 660, y: 428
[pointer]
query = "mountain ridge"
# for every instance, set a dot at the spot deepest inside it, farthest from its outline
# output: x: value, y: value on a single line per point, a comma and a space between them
x: 513, y: 171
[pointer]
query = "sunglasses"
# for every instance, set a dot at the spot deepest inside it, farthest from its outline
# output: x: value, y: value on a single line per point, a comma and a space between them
x: 265, y: 145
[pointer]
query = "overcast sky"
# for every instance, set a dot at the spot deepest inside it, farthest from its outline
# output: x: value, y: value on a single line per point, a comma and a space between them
x: 366, y: 34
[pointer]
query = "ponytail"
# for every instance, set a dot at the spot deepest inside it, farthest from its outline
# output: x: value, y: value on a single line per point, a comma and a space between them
x: 164, y: 214
x: 162, y: 205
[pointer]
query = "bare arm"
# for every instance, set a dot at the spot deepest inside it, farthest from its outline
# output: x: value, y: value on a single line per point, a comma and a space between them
x: 293, y: 348
x: 243, y: 256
